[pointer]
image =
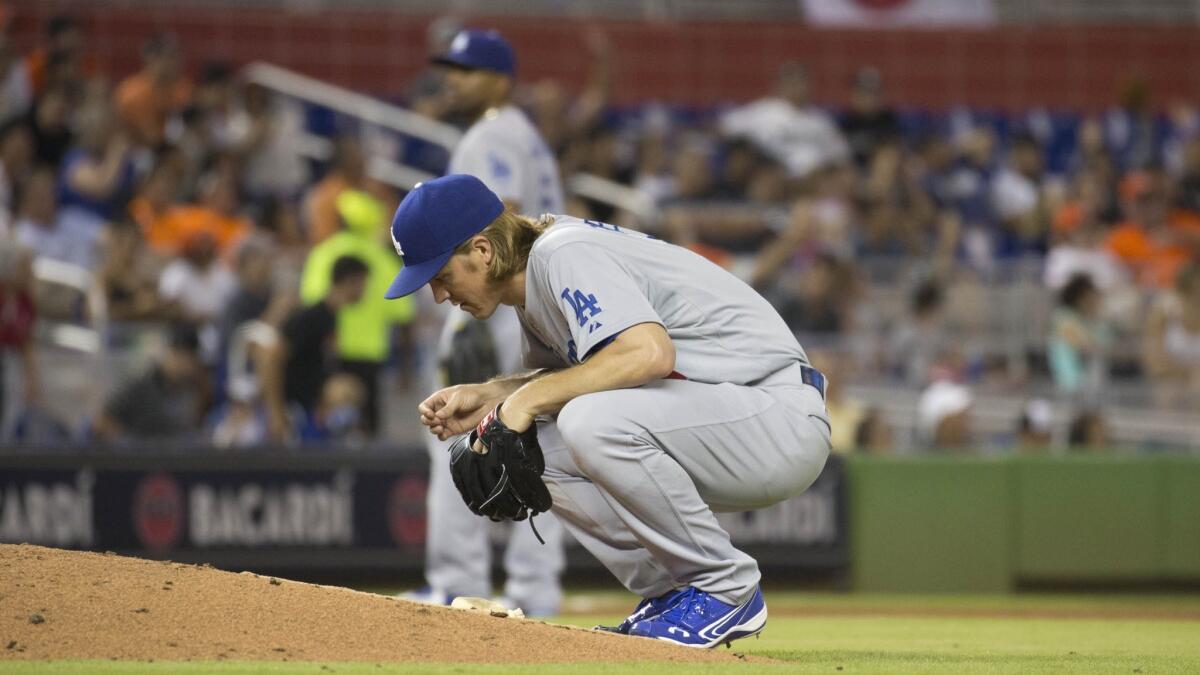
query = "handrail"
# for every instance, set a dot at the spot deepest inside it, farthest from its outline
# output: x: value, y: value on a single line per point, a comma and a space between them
x: 352, y: 103
x: 78, y: 338
x: 382, y: 169
x: 398, y: 119
x: 396, y: 174
x: 63, y: 273
x: 996, y: 412
x: 85, y: 339
x: 604, y: 190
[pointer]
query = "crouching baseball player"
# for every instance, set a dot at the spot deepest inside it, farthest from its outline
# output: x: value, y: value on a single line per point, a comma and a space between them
x: 664, y: 390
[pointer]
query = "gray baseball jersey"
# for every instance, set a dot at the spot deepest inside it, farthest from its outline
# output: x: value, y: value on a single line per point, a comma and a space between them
x: 587, y: 281
x: 504, y: 150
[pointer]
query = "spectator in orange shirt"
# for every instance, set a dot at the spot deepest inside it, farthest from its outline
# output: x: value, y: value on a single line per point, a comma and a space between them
x: 148, y: 99
x: 216, y: 215
x: 156, y: 195
x: 1154, y: 241
x: 347, y: 170
x: 1085, y: 208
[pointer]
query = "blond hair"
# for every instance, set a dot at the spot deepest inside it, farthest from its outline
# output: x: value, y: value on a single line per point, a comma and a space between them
x: 511, y: 236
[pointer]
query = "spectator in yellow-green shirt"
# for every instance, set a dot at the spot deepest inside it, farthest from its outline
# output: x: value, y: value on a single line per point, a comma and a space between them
x: 364, y: 329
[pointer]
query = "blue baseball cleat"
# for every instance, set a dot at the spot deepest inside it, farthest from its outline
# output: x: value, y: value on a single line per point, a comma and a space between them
x: 697, y: 619
x: 646, y: 609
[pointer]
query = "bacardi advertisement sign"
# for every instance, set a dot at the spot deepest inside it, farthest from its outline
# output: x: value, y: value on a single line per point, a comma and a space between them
x: 322, y: 511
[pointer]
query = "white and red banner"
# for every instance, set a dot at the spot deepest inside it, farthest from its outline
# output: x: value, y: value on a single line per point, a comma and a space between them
x: 899, y: 13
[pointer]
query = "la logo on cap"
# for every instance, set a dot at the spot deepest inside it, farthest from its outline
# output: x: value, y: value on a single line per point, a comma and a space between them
x: 460, y: 42
x: 396, y: 243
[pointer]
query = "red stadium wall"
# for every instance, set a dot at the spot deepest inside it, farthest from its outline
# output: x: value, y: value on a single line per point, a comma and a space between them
x: 694, y: 63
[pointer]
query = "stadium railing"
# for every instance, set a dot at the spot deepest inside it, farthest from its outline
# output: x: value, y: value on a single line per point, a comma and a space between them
x: 378, y: 114
x: 994, y: 417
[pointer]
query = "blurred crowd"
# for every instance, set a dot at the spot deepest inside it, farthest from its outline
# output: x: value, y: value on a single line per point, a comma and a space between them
x: 189, y: 204
x: 880, y: 234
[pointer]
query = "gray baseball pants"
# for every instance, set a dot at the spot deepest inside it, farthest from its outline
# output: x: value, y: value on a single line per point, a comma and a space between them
x: 637, y: 474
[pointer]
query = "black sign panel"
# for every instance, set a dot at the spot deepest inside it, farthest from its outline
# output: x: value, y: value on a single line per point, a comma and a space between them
x: 355, y: 513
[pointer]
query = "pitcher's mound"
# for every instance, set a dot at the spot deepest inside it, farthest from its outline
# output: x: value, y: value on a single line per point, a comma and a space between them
x: 57, y: 604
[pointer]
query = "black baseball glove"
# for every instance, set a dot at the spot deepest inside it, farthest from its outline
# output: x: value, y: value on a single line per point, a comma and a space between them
x: 504, y: 482
x: 472, y: 355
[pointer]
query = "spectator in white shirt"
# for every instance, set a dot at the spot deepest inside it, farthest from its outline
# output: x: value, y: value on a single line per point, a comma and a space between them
x: 1016, y: 196
x: 269, y: 135
x: 69, y: 236
x: 788, y: 127
x: 197, y: 281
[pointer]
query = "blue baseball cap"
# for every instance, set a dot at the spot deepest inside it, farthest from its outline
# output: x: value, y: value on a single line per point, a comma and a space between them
x: 434, y: 218
x: 480, y: 50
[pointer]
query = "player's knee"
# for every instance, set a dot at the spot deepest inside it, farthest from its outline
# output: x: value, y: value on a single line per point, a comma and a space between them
x: 577, y: 421
x: 583, y: 423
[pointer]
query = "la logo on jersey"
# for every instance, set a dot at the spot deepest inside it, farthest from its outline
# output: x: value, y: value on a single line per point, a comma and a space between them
x: 583, y: 304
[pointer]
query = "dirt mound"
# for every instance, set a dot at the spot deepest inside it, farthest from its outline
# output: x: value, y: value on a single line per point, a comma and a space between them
x: 58, y: 604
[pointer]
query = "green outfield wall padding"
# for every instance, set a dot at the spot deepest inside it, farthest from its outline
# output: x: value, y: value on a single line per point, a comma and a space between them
x: 1183, y: 519
x: 939, y: 524
x: 1090, y: 518
x: 929, y: 525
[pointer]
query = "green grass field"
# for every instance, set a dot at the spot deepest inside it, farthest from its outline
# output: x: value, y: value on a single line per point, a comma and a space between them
x: 834, y: 633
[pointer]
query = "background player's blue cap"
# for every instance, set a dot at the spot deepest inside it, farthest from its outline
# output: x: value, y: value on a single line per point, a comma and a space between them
x: 434, y: 218
x: 480, y: 50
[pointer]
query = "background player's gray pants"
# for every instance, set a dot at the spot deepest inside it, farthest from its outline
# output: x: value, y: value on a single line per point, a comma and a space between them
x: 458, y: 553
x: 636, y: 475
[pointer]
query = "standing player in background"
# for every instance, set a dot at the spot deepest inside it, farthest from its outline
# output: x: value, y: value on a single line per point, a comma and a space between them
x: 503, y: 149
